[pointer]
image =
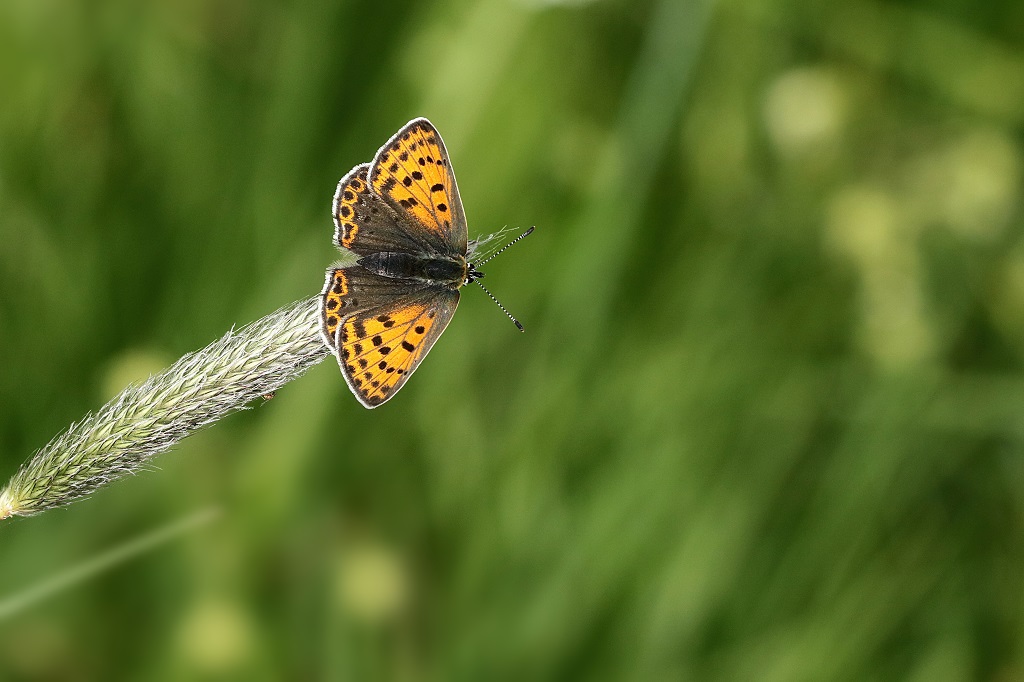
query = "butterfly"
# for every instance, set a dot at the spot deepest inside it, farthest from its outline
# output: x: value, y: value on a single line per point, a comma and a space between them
x: 402, y: 216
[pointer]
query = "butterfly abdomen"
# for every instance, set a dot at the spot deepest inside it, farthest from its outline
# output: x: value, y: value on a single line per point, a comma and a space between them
x: 399, y: 265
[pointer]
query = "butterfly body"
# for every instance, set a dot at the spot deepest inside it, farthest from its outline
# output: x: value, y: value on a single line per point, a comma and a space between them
x: 450, y: 272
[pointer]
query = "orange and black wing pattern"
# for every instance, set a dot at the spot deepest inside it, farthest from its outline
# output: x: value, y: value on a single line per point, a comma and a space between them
x: 334, y: 300
x: 364, y: 223
x: 414, y: 175
x: 406, y: 201
x: 354, y: 289
x: 379, y: 348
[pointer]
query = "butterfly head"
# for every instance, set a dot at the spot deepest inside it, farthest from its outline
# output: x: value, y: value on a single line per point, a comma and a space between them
x: 472, y: 274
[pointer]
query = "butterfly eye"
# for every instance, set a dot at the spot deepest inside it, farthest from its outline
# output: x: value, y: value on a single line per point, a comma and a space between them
x: 472, y: 274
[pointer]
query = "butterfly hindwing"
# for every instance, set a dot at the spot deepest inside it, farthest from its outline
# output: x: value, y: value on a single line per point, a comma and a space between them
x: 414, y: 175
x: 380, y: 346
x: 353, y: 289
x: 364, y: 223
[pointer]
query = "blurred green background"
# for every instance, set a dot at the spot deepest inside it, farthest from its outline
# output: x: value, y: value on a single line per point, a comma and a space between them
x: 767, y: 420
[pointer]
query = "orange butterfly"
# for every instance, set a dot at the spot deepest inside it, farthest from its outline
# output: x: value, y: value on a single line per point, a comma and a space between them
x: 403, y: 217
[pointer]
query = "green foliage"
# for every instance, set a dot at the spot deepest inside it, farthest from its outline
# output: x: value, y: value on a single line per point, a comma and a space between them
x: 765, y: 421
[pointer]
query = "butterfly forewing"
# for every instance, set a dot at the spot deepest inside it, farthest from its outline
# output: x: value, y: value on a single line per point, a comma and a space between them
x: 364, y: 223
x: 414, y: 175
x: 380, y: 347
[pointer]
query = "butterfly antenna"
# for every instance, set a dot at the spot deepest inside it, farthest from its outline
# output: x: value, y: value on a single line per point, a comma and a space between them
x: 499, y: 302
x: 498, y: 252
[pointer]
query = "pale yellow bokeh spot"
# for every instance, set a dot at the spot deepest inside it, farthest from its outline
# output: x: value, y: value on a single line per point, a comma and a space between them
x: 216, y: 636
x: 969, y: 184
x: 985, y: 174
x: 869, y: 227
x: 804, y: 109
x: 866, y: 224
x: 372, y: 582
x: 895, y: 330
